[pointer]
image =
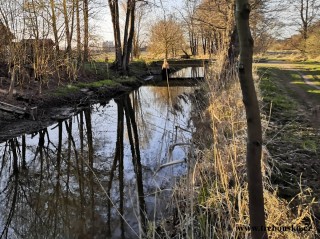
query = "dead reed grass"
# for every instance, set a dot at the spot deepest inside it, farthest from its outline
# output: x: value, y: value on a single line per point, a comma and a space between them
x: 212, y: 201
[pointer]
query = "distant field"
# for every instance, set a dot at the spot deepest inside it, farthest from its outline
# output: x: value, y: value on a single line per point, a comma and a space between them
x: 293, y: 56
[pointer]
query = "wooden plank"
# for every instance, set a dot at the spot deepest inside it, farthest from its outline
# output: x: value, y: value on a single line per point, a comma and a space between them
x: 12, y: 108
x: 7, y: 109
x: 32, y: 111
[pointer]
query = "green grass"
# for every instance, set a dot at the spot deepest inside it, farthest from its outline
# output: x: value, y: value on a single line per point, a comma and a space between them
x: 101, y: 57
x: 312, y: 72
x: 138, y: 67
x: 96, y: 84
x: 290, y: 74
x: 274, y: 91
x: 285, y: 104
x: 271, y: 91
x: 313, y: 76
x: 102, y: 76
x: 101, y: 69
x: 65, y: 90
x: 74, y: 88
x: 314, y: 91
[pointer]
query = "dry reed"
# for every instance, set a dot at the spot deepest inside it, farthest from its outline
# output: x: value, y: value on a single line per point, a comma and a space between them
x: 212, y: 201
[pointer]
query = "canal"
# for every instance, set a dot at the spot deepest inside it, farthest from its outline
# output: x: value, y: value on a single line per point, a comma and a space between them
x: 106, y: 172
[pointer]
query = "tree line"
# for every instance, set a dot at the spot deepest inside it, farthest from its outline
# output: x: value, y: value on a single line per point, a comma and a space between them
x: 39, y: 39
x: 64, y: 21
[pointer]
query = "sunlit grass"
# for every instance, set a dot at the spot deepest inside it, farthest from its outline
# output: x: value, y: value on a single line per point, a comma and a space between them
x: 293, y: 74
x: 314, y: 91
x: 96, y: 84
x: 66, y: 90
x: 298, y: 82
x: 76, y: 87
x: 272, y: 93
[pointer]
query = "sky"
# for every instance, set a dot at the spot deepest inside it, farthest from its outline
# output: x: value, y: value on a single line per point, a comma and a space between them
x: 101, y: 23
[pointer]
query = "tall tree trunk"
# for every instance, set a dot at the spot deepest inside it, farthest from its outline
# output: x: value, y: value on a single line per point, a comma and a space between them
x: 129, y: 34
x: 123, y: 52
x: 254, y: 141
x: 72, y: 22
x: 12, y: 82
x: 54, y: 25
x: 304, y: 14
x: 86, y: 30
x: 78, y: 30
x: 66, y: 23
x: 136, y: 38
x: 204, y: 44
x: 114, y: 9
x: 35, y: 23
x: 135, y: 45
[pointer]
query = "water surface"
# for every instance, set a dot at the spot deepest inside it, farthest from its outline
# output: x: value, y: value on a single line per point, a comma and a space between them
x: 96, y: 174
x: 189, y: 72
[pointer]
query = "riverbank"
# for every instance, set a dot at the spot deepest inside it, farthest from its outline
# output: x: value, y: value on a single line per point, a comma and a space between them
x: 95, y: 80
x: 60, y: 99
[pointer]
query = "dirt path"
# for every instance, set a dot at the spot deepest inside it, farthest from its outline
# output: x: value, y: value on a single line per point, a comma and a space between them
x: 294, y: 132
x: 312, y: 103
x: 309, y: 102
x: 315, y: 106
x: 307, y: 80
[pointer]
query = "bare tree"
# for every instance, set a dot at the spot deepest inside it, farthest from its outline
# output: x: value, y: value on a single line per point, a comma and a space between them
x: 166, y: 37
x: 129, y: 30
x: 189, y: 18
x: 54, y: 25
x: 86, y: 30
x: 123, y: 50
x: 138, y: 41
x: 308, y: 10
x: 263, y: 24
x: 69, y: 23
x: 78, y: 25
x: 254, y: 141
x: 301, y: 14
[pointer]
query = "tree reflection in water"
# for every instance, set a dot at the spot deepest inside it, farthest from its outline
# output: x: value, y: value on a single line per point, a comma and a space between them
x: 76, y: 178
